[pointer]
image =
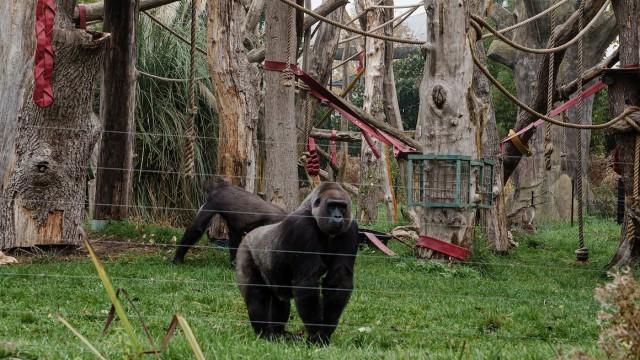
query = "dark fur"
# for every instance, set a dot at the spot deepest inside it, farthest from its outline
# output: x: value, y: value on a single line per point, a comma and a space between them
x: 242, y: 210
x: 305, y: 257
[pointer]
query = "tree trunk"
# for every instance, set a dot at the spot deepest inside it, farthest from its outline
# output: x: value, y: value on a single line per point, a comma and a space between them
x: 117, y: 112
x: 281, y: 165
x: 372, y: 170
x: 493, y: 220
x: 17, y: 45
x: 236, y: 83
x: 624, y: 92
x: 43, y: 187
x: 447, y: 124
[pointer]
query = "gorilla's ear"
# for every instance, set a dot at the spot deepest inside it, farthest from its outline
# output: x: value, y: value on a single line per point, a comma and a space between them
x: 317, y: 201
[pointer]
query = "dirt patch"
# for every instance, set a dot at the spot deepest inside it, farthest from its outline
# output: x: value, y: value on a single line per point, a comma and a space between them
x: 104, y: 246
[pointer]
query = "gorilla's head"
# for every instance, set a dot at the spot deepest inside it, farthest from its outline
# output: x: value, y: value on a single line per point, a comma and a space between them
x: 331, y: 208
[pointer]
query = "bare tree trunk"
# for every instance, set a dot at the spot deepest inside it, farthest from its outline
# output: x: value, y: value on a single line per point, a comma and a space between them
x: 236, y: 84
x: 43, y: 186
x: 447, y: 122
x: 623, y: 93
x: 493, y: 220
x: 372, y: 170
x: 117, y: 112
x: 281, y: 166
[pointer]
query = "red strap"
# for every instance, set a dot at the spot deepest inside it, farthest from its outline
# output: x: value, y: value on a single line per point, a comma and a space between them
x: 332, y: 149
x: 377, y: 243
x: 82, y: 16
x: 444, y: 247
x: 361, y: 59
x: 313, y: 162
x: 567, y: 105
x: 329, y: 98
x: 44, y: 59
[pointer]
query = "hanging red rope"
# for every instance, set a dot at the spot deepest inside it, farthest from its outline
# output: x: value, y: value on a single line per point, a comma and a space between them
x: 313, y: 162
x: 44, y: 59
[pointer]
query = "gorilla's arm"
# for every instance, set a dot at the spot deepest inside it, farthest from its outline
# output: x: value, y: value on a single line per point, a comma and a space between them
x: 337, y: 284
x: 306, y: 292
x: 194, y: 232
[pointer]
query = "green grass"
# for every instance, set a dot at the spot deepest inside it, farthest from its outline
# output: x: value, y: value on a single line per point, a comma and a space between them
x: 534, y: 303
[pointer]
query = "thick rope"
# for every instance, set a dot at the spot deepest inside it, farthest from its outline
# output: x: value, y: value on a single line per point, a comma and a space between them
x: 350, y: 29
x: 629, y: 110
x: 189, y: 152
x: 513, y: 44
x: 526, y: 21
x: 548, y: 139
x: 631, y: 230
x: 400, y: 18
x: 580, y: 119
x: 288, y: 77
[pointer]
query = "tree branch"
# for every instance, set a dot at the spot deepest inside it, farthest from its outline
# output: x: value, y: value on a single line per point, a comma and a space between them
x: 563, y: 33
x: 95, y: 11
x: 501, y: 16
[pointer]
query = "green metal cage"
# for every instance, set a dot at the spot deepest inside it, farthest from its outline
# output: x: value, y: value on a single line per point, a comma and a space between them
x: 449, y: 181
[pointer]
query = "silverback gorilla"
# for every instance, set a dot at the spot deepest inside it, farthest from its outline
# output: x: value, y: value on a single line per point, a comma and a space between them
x: 242, y: 210
x: 309, y: 257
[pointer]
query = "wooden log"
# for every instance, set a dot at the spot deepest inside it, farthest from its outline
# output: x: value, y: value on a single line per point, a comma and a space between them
x: 96, y: 11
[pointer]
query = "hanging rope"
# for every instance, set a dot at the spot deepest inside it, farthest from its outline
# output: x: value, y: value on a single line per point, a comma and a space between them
x: 622, y: 116
x: 526, y: 21
x: 582, y: 253
x: 548, y: 140
x: 478, y: 20
x: 189, y: 151
x: 631, y: 230
x: 288, y: 77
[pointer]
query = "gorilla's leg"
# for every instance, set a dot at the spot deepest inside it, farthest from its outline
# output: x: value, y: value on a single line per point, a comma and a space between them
x: 256, y: 295
x: 279, y: 315
x: 234, y: 242
x: 194, y: 232
x: 336, y: 290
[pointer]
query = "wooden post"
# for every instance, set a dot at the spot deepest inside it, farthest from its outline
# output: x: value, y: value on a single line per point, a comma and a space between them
x: 281, y: 169
x: 117, y: 111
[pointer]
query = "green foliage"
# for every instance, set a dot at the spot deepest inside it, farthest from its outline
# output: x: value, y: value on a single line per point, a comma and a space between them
x: 601, y: 142
x: 533, y: 303
x: 161, y: 120
x: 408, y: 75
x: 506, y: 112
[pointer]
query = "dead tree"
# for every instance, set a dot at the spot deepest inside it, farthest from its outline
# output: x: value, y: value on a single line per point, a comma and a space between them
x: 624, y: 92
x: 447, y: 121
x: 46, y: 151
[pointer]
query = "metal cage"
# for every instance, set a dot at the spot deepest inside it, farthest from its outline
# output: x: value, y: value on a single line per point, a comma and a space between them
x: 449, y: 181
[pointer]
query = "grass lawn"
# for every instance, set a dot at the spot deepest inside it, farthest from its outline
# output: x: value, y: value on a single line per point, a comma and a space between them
x: 534, y: 303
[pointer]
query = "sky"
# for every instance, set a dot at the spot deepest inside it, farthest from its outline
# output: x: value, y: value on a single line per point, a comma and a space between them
x: 350, y: 7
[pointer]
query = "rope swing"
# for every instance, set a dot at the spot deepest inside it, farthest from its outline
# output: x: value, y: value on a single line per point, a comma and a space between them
x: 582, y: 253
x: 189, y: 150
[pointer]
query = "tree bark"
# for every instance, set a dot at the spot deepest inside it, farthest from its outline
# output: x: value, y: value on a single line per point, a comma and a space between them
x: 237, y: 84
x: 117, y: 112
x: 281, y: 170
x: 447, y: 124
x: 17, y: 45
x: 43, y: 187
x: 493, y: 220
x: 372, y: 170
x: 622, y: 93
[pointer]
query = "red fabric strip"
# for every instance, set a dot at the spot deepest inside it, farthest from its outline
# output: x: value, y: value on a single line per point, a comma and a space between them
x: 379, y: 244
x: 44, y: 56
x: 82, y: 16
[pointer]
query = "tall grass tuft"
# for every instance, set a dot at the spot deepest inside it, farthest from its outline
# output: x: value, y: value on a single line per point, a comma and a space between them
x: 161, y: 119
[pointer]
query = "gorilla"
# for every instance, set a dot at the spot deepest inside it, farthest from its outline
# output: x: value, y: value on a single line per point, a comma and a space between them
x: 309, y: 256
x: 242, y: 210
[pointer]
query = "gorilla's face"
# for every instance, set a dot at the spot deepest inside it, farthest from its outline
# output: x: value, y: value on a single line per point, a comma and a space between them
x: 332, y: 212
